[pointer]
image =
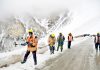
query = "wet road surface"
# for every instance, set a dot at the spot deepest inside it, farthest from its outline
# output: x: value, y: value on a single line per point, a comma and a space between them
x: 82, y: 57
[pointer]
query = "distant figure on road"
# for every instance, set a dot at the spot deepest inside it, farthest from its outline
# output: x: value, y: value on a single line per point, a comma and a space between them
x: 70, y: 38
x: 97, y: 41
x: 51, y: 43
x: 60, y: 41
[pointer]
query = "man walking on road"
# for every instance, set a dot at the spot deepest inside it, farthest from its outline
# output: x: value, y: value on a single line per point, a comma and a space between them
x: 51, y: 43
x: 60, y: 41
x: 32, y: 42
x: 70, y: 38
x: 97, y: 42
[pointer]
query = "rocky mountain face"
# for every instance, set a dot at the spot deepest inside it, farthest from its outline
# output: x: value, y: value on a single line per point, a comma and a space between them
x: 14, y: 28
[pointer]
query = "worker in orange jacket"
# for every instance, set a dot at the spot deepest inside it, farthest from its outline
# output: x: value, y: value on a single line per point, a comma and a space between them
x: 97, y: 42
x: 70, y: 39
x: 32, y: 42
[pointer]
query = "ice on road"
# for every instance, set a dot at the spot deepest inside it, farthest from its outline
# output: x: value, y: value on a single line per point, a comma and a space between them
x: 82, y: 57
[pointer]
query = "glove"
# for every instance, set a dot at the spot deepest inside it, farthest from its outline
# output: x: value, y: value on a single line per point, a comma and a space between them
x: 53, y: 42
x: 23, y: 44
x: 30, y: 44
x: 27, y: 42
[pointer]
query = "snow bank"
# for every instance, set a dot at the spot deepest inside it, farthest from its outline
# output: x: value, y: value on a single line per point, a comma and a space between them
x: 43, y: 59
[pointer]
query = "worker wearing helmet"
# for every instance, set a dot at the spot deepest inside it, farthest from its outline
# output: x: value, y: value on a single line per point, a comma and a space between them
x: 97, y: 41
x: 32, y: 42
x: 51, y: 43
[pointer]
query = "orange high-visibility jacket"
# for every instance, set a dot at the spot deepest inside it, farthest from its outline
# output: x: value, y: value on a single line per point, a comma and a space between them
x: 34, y: 43
x: 70, y: 38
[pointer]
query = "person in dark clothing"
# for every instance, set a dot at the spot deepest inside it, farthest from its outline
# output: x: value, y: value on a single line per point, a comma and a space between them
x: 34, y: 57
x: 52, y: 48
x: 97, y: 42
x: 70, y: 38
x: 60, y: 41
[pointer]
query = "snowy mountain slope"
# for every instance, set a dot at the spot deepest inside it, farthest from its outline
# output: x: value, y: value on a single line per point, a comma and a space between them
x: 62, y: 20
x: 21, y: 24
x: 91, y: 26
x: 10, y: 29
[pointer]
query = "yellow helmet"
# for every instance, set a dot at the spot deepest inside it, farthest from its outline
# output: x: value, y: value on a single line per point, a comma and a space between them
x: 53, y: 35
x: 30, y: 30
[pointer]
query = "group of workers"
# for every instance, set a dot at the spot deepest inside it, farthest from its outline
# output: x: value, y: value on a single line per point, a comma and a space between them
x: 60, y: 41
x: 32, y: 42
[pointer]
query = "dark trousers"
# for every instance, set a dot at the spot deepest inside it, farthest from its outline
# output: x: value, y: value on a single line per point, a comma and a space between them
x: 61, y: 46
x: 52, y: 48
x: 69, y: 44
x: 34, y: 56
x: 97, y: 45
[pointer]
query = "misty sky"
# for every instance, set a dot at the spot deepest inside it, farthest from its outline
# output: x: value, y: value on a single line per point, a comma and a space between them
x: 81, y: 9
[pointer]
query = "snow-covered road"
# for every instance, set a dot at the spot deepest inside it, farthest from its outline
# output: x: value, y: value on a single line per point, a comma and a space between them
x: 82, y: 57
